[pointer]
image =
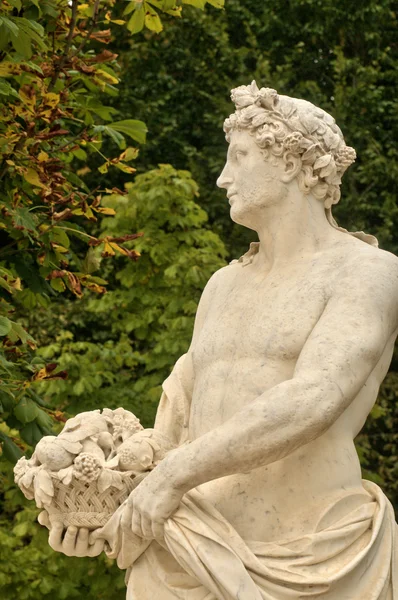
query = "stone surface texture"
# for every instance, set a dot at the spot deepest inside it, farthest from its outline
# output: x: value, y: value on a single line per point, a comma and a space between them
x: 257, y: 491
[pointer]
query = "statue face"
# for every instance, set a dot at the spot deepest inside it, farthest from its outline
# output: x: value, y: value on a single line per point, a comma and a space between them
x: 254, y: 184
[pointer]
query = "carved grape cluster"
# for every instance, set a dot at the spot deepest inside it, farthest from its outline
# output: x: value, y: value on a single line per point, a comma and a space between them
x: 87, y: 467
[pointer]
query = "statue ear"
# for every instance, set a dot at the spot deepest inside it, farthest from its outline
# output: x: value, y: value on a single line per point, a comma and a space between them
x: 292, y: 167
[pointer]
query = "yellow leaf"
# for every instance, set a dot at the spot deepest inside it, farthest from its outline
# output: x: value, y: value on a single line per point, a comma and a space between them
x: 105, y: 210
x: 118, y: 21
x: 125, y: 168
x: 108, y: 250
x: 129, y: 154
x: 83, y: 171
x: 106, y: 76
x: 32, y: 177
x: 51, y: 99
x: 16, y: 284
x: 9, y: 68
x: 60, y: 249
x: 42, y: 156
x: 152, y: 19
x: 28, y: 99
x: 119, y: 248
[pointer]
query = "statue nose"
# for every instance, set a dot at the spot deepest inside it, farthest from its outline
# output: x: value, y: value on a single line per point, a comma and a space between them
x: 224, y: 180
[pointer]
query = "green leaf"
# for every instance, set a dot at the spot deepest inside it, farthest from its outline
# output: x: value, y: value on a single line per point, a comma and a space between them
x: 169, y: 4
x: 5, y: 326
x: 137, y: 21
x: 22, y: 43
x: 26, y: 410
x: 91, y: 262
x: 7, y: 90
x: 80, y: 154
x: 10, y: 450
x: 130, y: 7
x: 23, y: 219
x: 18, y: 4
x: 217, y: 3
x: 197, y: 3
x: 152, y: 20
x: 31, y: 433
x: 44, y: 420
x: 20, y: 332
x: 57, y: 284
x: 137, y: 130
x: 11, y: 26
x: 60, y: 237
x: 113, y: 134
x: 7, y: 401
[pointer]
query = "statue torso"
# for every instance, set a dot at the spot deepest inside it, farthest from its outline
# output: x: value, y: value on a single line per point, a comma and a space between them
x: 255, y: 328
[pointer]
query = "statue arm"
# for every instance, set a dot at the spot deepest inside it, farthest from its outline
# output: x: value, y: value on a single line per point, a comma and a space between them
x: 343, y: 349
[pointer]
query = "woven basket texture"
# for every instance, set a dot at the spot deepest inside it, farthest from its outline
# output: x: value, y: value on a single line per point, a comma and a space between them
x: 82, y: 505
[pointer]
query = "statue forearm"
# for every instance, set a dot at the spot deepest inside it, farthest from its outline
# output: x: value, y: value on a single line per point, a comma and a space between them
x: 281, y: 420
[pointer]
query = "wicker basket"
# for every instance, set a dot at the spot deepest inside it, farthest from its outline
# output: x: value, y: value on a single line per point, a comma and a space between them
x: 82, y: 505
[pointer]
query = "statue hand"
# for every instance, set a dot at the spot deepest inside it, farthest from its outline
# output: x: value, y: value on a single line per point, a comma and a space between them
x: 153, y: 501
x: 72, y: 541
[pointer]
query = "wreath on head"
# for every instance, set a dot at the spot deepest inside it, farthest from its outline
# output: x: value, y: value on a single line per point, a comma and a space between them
x: 299, y: 128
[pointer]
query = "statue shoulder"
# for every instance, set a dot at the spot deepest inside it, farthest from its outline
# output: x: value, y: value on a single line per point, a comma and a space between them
x: 369, y: 265
x: 370, y: 275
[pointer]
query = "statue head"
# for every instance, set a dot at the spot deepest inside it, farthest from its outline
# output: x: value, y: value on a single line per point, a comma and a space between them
x: 284, y: 126
x: 296, y: 130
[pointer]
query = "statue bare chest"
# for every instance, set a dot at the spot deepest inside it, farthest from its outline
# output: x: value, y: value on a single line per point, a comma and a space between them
x: 267, y: 319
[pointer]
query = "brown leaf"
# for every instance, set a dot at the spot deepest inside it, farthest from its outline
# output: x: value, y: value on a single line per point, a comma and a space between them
x: 46, y: 373
x: 104, y: 56
x: 56, y: 273
x: 60, y: 216
x: 74, y: 284
x: 101, y: 36
x: 126, y: 238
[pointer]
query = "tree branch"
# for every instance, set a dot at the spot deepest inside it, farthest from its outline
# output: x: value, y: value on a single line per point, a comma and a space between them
x: 90, y: 31
x: 69, y: 40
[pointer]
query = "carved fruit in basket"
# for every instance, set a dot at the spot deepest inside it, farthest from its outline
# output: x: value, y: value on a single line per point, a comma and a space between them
x: 87, y: 467
x: 142, y: 451
x: 51, y: 453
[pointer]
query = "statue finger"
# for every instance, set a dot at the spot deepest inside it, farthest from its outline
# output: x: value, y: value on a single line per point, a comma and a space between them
x: 157, y: 530
x: 44, y: 519
x: 146, y: 528
x: 82, y: 545
x: 69, y: 541
x: 136, y: 524
x: 125, y: 521
x: 55, y: 537
x: 96, y: 548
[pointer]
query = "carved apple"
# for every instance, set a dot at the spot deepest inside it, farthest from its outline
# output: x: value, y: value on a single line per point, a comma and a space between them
x: 49, y: 452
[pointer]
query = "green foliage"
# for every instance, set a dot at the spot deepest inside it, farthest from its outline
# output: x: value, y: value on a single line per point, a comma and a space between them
x: 33, y: 570
x: 56, y: 78
x: 119, y: 348
x: 335, y: 54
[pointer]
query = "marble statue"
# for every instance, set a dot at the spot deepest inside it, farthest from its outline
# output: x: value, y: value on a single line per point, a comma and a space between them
x: 257, y: 493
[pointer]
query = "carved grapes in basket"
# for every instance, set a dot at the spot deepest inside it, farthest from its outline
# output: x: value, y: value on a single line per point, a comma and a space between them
x: 83, y: 475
